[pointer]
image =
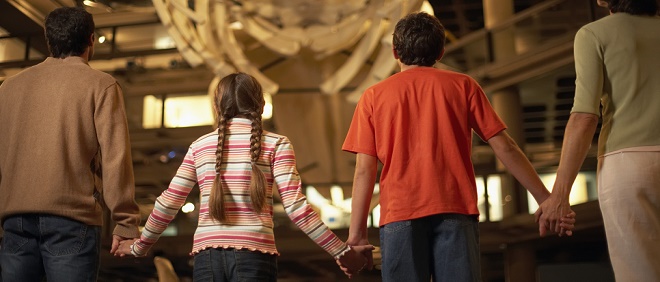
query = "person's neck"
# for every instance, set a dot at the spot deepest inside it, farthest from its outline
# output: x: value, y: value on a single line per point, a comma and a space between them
x: 85, y: 56
x: 405, y: 67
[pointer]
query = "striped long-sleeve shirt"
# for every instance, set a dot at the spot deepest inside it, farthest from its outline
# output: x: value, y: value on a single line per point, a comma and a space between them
x: 244, y: 228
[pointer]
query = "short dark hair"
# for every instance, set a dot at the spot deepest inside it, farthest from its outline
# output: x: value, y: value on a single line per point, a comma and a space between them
x: 419, y: 39
x: 68, y: 31
x: 634, y: 7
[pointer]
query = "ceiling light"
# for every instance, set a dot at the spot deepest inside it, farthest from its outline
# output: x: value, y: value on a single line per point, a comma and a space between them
x: 97, y: 4
x: 101, y: 39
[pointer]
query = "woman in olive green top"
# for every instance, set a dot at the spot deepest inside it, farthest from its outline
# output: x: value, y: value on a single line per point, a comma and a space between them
x: 618, y: 66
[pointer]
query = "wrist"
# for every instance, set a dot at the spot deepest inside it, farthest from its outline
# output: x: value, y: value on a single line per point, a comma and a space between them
x: 561, y: 193
x: 133, y: 249
x: 354, y: 238
x: 347, y: 249
x: 542, y: 196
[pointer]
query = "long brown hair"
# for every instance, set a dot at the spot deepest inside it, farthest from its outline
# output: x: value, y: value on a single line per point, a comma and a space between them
x: 239, y: 94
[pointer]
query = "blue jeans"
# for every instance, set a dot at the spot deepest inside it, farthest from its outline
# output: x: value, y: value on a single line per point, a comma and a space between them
x: 59, y: 248
x: 444, y: 247
x: 234, y: 265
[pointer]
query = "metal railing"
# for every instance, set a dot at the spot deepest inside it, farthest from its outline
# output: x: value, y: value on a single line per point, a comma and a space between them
x: 542, y: 26
x: 127, y: 40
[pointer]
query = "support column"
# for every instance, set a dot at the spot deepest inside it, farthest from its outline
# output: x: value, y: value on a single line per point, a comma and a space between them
x: 506, y: 101
x: 508, y: 106
x: 495, y: 12
x: 520, y: 259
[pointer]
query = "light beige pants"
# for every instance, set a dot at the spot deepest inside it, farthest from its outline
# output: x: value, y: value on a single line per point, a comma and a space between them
x: 629, y: 195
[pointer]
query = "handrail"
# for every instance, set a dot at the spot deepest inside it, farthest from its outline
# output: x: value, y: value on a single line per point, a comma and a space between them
x: 474, y: 52
x: 527, y: 13
x: 472, y: 36
x: 479, y: 34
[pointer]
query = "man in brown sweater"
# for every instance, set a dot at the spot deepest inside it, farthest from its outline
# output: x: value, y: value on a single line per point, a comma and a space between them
x: 64, y: 153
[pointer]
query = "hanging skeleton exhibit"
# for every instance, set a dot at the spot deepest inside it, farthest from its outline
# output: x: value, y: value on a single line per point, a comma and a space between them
x: 204, y: 33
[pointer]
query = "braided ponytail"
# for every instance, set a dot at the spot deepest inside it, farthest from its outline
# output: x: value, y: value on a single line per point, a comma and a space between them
x: 239, y: 95
x: 216, y: 199
x: 257, y: 179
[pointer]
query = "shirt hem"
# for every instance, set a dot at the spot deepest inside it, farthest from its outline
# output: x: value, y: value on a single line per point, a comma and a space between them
x: 218, y: 246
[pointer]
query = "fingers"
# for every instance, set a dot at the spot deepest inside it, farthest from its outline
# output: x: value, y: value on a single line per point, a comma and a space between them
x: 123, y: 248
x: 355, y: 260
x: 114, y: 246
x: 115, y: 243
x: 567, y: 229
x: 537, y: 215
x: 363, y: 249
x: 567, y: 224
x: 567, y: 220
x: 543, y: 228
x: 370, y: 262
x: 571, y: 214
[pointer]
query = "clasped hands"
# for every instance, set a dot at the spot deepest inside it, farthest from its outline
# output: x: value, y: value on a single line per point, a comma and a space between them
x: 555, y: 215
x: 121, y: 246
x: 360, y: 257
x: 352, y: 262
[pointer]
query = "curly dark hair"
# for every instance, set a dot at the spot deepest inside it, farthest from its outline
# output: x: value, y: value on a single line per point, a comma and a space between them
x: 68, y: 31
x: 419, y: 39
x: 634, y: 7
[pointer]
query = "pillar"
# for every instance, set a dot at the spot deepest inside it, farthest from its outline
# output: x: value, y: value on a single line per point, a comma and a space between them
x: 520, y: 259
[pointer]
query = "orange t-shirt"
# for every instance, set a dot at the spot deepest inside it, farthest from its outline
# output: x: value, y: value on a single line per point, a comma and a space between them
x: 419, y: 124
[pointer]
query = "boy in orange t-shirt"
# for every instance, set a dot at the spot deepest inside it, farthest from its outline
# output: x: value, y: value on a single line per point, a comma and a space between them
x: 418, y: 123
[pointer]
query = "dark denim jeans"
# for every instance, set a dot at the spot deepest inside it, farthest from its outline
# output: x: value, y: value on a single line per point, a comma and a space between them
x: 59, y: 248
x: 444, y: 247
x: 234, y: 265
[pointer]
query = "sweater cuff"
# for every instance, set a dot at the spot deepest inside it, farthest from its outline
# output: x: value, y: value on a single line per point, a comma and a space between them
x: 343, y: 252
x: 126, y: 232
x: 139, y: 248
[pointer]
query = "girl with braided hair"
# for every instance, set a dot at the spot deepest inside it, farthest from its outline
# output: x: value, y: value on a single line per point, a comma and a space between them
x: 236, y: 168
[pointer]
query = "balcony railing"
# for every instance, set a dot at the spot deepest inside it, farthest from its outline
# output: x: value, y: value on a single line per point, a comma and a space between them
x: 546, y: 26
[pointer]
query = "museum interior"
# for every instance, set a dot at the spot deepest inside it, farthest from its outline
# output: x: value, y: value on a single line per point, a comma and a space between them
x: 314, y: 60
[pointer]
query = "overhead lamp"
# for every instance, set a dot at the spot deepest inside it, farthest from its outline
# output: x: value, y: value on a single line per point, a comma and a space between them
x: 96, y: 4
x: 101, y: 39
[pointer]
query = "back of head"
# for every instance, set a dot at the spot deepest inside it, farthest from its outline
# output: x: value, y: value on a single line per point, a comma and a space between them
x: 239, y: 95
x: 419, y: 39
x: 68, y: 31
x: 634, y: 7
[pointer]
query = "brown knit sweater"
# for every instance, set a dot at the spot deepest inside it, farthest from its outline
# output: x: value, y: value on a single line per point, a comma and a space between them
x: 62, y: 126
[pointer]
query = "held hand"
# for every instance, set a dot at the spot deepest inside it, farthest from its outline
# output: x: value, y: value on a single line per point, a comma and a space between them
x: 116, y: 239
x: 550, y: 213
x: 567, y: 224
x: 124, y: 248
x: 354, y: 260
x: 359, y: 245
